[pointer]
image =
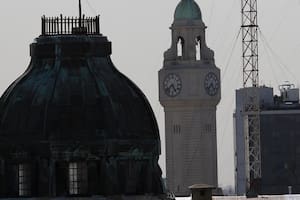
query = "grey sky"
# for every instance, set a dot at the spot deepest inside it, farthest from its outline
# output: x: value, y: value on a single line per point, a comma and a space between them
x: 139, y: 30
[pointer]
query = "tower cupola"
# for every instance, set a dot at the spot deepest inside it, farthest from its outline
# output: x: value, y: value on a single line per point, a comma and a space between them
x: 188, y: 36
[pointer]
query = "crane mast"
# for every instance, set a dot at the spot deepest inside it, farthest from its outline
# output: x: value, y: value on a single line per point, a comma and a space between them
x: 251, y: 98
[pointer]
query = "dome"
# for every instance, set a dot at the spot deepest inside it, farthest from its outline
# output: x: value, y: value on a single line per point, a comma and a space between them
x: 73, y: 119
x: 187, y: 9
x: 75, y: 96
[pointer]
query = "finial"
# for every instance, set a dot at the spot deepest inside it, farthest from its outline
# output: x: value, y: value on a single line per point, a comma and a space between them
x: 80, y: 13
x: 80, y: 9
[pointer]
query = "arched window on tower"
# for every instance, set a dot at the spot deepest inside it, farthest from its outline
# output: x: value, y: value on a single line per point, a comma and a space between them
x: 24, y: 180
x: 180, y: 47
x: 78, y: 182
x: 198, y: 48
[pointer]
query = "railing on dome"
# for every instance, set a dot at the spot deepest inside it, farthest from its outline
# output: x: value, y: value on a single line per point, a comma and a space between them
x: 70, y: 25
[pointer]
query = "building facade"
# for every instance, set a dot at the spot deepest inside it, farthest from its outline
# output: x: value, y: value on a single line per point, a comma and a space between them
x: 279, y: 134
x: 189, y: 91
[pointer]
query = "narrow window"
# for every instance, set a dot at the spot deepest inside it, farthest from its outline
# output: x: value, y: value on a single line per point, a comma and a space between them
x: 24, y: 180
x: 180, y: 44
x: 77, y: 178
x: 198, y: 49
x: 176, y: 129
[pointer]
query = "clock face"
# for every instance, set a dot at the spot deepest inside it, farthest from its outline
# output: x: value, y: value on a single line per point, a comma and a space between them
x: 211, y: 84
x: 172, y: 85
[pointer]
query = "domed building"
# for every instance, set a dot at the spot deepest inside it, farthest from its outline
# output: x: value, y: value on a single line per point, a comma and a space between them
x: 74, y: 126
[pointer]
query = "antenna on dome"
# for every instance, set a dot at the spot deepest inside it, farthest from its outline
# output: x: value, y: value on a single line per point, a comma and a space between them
x: 80, y: 13
x: 80, y: 9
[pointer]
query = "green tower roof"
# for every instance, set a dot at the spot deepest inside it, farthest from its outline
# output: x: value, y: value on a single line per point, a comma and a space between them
x: 187, y: 9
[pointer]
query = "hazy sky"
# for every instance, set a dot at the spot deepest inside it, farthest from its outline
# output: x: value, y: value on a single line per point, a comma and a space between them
x: 139, y: 31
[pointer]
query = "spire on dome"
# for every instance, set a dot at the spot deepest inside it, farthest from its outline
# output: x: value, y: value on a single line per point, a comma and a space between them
x: 80, y: 11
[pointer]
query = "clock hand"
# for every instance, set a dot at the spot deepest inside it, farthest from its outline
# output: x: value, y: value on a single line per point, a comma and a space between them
x: 173, y: 87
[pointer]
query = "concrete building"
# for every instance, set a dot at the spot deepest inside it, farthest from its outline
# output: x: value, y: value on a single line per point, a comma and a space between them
x: 189, y: 91
x: 280, y: 141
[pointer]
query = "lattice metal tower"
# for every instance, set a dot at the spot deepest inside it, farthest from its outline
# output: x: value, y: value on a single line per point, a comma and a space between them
x: 251, y: 85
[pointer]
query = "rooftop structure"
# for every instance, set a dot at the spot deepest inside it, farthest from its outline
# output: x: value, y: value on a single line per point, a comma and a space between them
x: 70, y: 25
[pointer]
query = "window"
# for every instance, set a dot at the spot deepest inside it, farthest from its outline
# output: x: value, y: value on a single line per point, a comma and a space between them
x: 198, y: 49
x: 180, y: 48
x: 176, y: 129
x: 207, y: 128
x: 24, y: 180
x: 77, y: 178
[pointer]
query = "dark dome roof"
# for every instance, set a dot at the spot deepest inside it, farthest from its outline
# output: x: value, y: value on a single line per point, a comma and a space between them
x: 71, y: 91
x: 72, y: 117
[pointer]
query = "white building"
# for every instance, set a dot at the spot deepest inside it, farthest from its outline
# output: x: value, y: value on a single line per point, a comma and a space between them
x: 189, y: 91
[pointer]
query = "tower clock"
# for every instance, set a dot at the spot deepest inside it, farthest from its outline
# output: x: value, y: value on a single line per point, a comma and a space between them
x: 189, y: 91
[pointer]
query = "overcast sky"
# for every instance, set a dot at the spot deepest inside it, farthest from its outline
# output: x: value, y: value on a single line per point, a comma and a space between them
x: 139, y: 31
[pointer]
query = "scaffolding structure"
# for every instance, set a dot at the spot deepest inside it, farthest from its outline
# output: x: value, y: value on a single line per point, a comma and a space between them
x: 251, y: 101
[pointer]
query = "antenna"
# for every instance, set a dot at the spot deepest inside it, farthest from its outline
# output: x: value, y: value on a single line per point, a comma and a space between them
x: 251, y: 99
x: 80, y: 13
x: 80, y: 9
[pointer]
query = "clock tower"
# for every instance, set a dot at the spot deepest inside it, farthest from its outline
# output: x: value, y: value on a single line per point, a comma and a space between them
x: 189, y: 91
